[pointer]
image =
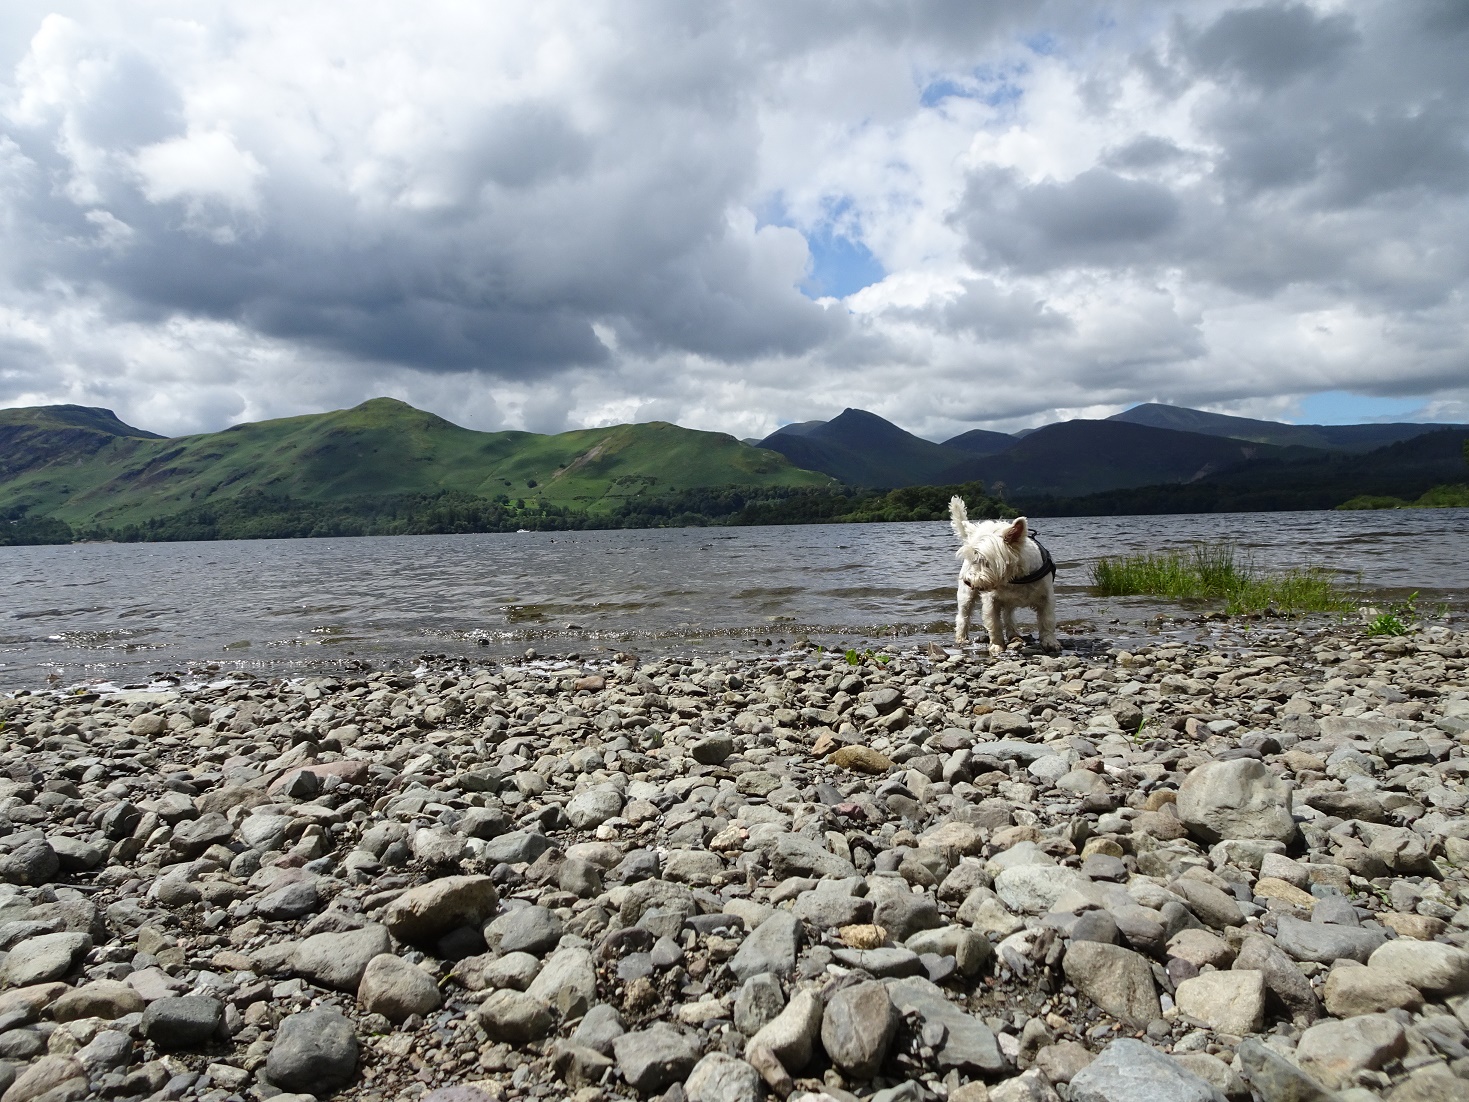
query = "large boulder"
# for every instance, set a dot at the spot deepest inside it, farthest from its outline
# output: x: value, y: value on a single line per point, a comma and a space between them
x: 422, y: 915
x: 1236, y: 799
x: 1116, y: 979
x: 1130, y: 1071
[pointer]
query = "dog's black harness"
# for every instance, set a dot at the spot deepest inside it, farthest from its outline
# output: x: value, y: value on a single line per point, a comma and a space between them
x: 1047, y: 566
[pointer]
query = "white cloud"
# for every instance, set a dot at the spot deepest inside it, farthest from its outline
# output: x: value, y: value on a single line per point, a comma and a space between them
x: 574, y: 212
x: 200, y: 166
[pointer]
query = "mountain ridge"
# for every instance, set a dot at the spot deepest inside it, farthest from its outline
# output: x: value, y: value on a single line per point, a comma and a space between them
x: 380, y: 447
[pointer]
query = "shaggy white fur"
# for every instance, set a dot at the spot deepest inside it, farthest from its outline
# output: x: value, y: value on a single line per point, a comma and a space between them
x: 993, y: 553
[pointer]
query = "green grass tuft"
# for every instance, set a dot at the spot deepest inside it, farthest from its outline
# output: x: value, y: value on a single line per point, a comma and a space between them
x: 1215, y: 572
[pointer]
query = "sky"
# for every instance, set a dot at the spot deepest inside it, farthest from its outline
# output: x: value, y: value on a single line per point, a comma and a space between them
x: 733, y: 215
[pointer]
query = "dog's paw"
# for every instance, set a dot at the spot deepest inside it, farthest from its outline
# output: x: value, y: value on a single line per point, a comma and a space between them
x: 996, y: 650
x: 1051, y: 647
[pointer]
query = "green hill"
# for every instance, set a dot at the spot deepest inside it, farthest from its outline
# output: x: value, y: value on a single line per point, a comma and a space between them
x: 86, y: 468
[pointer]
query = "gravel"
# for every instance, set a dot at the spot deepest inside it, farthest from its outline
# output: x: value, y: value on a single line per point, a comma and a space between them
x: 1221, y: 860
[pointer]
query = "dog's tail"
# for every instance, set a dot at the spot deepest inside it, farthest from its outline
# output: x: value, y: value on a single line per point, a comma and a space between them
x: 959, y: 518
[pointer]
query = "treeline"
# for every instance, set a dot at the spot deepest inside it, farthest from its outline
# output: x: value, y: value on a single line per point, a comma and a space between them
x: 256, y: 515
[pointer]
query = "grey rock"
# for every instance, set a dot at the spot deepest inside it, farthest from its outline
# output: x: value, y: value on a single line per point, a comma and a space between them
x: 1118, y: 980
x: 108, y: 1050
x: 830, y: 911
x: 32, y: 863
x: 971, y: 951
x: 600, y: 1026
x: 183, y: 1023
x: 652, y: 1059
x: 1216, y: 1073
x: 424, y: 914
x: 590, y: 809
x: 76, y: 855
x: 1227, y: 1002
x: 395, y: 989
x: 1034, y: 889
x: 516, y: 848
x: 1284, y: 980
x: 1334, y: 1051
x: 580, y: 878
x: 193, y: 836
x: 712, y: 749
x: 798, y: 855
x: 52, y: 1078
x: 515, y: 1017
x: 44, y: 958
x: 969, y: 1044
x: 513, y: 970
x: 1275, y: 1077
x: 721, y: 1078
x: 1216, y: 908
x: 567, y: 982
x: 338, y: 960
x: 315, y: 1052
x: 858, y: 1026
x: 291, y: 901
x: 1430, y: 966
x: 882, y: 963
x: 578, y: 1065
x: 1324, y: 943
x: 525, y: 930
x: 792, y: 1034
x: 770, y: 947
x: 904, y: 915
x: 759, y: 1001
x: 1236, y: 799
x: 1130, y: 1071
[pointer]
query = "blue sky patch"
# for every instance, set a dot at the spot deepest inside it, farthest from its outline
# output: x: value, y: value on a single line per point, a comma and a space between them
x: 1341, y: 407
x: 839, y: 265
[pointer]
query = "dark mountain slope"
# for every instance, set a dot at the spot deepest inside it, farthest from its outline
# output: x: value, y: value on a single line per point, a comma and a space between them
x: 1352, y: 438
x: 981, y: 442
x: 1081, y: 457
x: 1322, y: 481
x: 862, y: 449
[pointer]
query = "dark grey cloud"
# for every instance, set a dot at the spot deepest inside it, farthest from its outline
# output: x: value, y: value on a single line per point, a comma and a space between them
x: 1098, y: 218
x: 1273, y: 44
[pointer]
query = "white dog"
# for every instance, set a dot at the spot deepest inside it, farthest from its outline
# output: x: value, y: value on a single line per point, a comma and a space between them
x: 1009, y: 570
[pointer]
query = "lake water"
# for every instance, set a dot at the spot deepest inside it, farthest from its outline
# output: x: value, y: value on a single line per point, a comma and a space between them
x: 124, y: 612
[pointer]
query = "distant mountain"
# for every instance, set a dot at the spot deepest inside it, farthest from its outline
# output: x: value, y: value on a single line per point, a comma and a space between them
x: 1351, y: 438
x: 64, y: 466
x: 1319, y: 480
x: 862, y: 449
x: 1082, y: 457
x: 38, y: 435
x: 981, y: 442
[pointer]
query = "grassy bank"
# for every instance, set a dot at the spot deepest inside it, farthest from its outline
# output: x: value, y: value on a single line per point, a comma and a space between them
x: 1440, y: 497
x: 1218, y: 573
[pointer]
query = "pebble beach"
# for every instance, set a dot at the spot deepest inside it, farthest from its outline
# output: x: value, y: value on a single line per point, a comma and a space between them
x: 1224, y: 867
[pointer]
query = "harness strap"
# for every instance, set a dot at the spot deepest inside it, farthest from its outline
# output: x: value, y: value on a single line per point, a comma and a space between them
x: 1048, y: 566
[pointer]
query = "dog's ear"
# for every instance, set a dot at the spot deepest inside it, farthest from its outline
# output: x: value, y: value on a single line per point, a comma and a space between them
x: 1016, y: 532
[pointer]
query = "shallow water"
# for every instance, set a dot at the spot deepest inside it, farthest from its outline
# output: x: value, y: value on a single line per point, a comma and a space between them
x: 126, y: 611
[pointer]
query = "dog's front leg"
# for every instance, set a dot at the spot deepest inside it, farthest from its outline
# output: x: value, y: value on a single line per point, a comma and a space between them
x: 964, y: 601
x: 993, y: 625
